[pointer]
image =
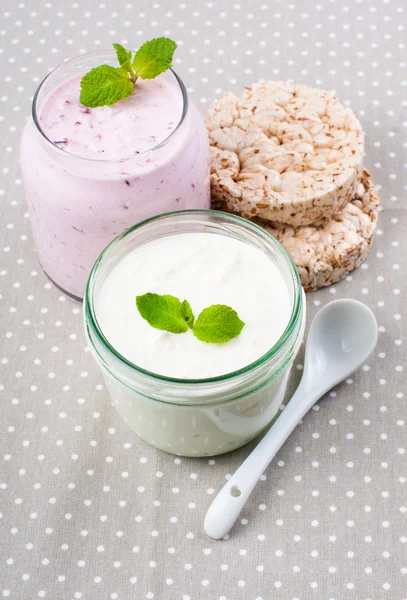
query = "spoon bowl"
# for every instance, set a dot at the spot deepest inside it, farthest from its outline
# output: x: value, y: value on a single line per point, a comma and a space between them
x: 341, y: 337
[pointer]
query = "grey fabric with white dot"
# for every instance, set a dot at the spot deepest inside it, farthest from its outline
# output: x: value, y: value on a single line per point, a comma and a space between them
x: 90, y: 511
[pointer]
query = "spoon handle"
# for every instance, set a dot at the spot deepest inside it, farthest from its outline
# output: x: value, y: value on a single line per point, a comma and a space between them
x: 227, y: 505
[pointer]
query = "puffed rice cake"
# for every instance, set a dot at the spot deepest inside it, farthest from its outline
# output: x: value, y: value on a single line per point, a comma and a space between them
x: 284, y: 152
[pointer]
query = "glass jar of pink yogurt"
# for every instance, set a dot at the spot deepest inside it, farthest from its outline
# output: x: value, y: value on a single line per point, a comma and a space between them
x: 91, y: 173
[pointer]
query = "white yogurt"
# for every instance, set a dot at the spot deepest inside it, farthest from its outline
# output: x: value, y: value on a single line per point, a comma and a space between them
x: 205, y: 269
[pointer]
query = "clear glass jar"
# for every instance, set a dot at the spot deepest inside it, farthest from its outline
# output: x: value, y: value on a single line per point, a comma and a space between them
x: 201, y: 417
x: 79, y: 205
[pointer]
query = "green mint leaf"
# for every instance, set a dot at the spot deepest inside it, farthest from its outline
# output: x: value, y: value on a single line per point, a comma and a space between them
x: 217, y: 324
x: 188, y: 314
x: 105, y: 85
x: 154, y: 57
x: 123, y: 56
x: 162, y: 312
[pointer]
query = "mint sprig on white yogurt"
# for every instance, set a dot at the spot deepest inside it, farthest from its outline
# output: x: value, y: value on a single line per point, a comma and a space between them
x: 106, y: 85
x: 216, y: 324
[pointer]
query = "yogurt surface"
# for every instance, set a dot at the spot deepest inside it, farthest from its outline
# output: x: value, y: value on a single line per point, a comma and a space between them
x: 127, y: 128
x: 205, y: 269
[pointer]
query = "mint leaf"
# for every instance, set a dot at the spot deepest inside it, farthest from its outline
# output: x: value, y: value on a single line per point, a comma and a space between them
x: 123, y: 56
x: 217, y: 324
x: 188, y: 314
x: 105, y: 85
x: 154, y: 57
x: 162, y: 312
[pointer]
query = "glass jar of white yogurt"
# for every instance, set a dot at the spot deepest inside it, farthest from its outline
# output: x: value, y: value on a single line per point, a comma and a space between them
x: 189, y: 415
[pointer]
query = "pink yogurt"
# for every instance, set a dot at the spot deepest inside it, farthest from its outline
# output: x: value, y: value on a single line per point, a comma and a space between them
x: 91, y: 173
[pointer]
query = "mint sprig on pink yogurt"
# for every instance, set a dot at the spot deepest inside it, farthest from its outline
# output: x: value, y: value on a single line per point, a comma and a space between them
x: 105, y: 85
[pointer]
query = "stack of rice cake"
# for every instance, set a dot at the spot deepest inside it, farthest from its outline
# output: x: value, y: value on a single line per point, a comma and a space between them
x: 290, y: 158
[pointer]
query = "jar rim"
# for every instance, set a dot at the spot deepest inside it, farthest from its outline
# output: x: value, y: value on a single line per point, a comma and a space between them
x: 93, y: 325
x: 35, y: 117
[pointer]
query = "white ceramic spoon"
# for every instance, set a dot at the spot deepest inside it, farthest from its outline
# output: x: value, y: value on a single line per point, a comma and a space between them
x: 341, y: 337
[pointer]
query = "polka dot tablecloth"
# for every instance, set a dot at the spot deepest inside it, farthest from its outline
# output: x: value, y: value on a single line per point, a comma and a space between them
x: 90, y: 511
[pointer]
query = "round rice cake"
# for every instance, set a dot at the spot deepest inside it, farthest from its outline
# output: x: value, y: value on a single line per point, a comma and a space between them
x: 328, y: 250
x: 284, y: 152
